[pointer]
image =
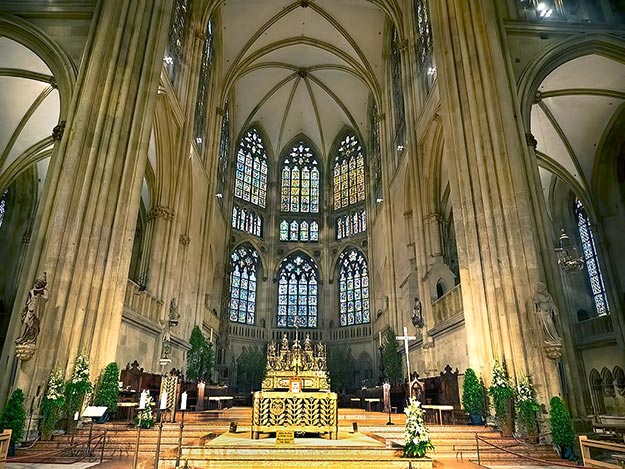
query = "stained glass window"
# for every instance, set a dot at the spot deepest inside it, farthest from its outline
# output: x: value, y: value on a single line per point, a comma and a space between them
x: 247, y: 220
x: 175, y: 44
x: 375, y: 157
x: 201, y: 103
x: 593, y: 269
x: 349, y: 173
x: 3, y: 206
x: 299, y: 230
x: 300, y: 181
x: 297, y: 292
x: 243, y: 274
x: 251, y: 171
x: 425, y: 56
x: 351, y: 224
x: 398, y: 93
x: 224, y: 149
x: 353, y: 288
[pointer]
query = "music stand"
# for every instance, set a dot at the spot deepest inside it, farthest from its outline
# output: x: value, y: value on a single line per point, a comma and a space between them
x: 93, y: 412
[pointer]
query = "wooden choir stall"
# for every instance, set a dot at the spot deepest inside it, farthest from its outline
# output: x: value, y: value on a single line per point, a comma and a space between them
x: 295, y: 391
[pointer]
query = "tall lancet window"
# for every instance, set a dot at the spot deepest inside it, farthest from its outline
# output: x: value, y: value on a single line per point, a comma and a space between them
x: 593, y: 269
x: 348, y: 175
x: 300, y: 181
x: 353, y: 288
x: 175, y: 44
x: 224, y: 150
x: 3, y: 206
x: 243, y: 275
x: 201, y: 103
x: 398, y: 93
x: 425, y: 48
x: 375, y: 156
x: 297, y: 291
x: 251, y: 172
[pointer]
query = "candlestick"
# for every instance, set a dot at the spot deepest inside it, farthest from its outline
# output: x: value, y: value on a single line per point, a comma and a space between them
x: 143, y: 400
x: 183, y: 401
x: 163, y: 400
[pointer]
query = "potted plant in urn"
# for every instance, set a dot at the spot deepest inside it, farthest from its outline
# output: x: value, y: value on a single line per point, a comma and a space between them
x: 502, y: 393
x: 473, y: 397
x: 13, y: 417
x: 562, y: 432
x: 417, y: 438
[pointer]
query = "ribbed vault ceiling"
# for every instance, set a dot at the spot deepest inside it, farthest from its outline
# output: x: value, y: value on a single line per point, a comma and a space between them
x: 573, y: 112
x: 29, y: 105
x: 302, y: 69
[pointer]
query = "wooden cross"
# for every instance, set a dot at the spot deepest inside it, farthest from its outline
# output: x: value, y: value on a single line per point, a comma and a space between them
x: 406, y: 338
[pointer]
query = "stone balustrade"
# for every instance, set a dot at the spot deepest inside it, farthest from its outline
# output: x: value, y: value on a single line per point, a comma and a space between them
x: 448, y: 306
x: 594, y: 331
x: 142, y: 302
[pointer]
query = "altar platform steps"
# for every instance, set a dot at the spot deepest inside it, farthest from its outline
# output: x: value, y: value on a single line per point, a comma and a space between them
x: 459, y: 443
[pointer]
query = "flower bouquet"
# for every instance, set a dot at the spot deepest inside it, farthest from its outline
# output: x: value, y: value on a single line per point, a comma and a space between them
x: 417, y: 439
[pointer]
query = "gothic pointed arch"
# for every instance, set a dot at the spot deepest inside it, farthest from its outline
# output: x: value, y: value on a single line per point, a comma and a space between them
x: 354, y: 294
x: 298, y: 291
x: 244, y: 274
x: 348, y: 184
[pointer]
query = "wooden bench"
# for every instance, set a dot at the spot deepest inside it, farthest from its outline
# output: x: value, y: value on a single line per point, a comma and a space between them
x: 5, y: 440
x: 586, y: 445
x: 440, y: 409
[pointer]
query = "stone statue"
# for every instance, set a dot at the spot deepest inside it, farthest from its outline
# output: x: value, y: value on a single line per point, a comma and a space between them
x: 308, y: 343
x: 546, y: 311
x: 173, y: 312
x: 31, y: 316
x: 417, y: 314
x: 166, y: 350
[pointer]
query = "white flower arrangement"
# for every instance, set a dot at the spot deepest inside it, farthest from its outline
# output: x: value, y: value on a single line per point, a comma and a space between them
x: 55, y: 386
x: 501, y: 391
x: 417, y: 438
x: 81, y: 369
x: 525, y: 390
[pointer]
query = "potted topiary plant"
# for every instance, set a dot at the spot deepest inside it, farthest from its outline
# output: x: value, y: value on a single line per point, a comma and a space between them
x: 473, y: 397
x: 561, y: 429
x: 527, y: 406
x: 13, y: 417
x: 502, y: 393
x: 107, y: 390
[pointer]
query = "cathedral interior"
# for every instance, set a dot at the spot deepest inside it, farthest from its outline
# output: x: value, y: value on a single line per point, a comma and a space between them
x: 331, y: 167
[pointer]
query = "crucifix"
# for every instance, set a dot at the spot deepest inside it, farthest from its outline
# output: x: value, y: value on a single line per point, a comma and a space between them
x: 406, y: 338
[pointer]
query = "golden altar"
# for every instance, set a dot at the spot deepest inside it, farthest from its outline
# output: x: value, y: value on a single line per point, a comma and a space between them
x: 313, y: 409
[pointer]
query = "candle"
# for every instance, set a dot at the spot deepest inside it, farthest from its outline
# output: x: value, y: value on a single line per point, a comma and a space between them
x: 143, y: 400
x: 164, y: 400
x: 380, y: 337
x: 183, y: 401
x: 76, y: 416
x: 211, y: 339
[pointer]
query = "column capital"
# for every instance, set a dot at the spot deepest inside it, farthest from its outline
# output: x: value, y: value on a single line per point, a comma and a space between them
x: 160, y: 211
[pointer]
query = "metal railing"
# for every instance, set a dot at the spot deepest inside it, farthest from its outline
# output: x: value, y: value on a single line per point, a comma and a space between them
x: 479, y: 439
x: 78, y: 450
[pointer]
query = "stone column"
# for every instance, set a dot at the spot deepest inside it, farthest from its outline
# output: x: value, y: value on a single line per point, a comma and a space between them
x: 85, y: 227
x: 498, y: 228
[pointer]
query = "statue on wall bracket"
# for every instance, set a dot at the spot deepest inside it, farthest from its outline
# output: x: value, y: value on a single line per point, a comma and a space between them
x: 547, y: 312
x: 26, y: 343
